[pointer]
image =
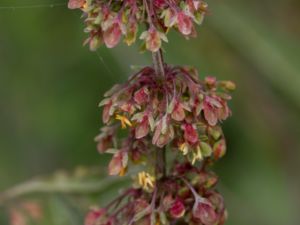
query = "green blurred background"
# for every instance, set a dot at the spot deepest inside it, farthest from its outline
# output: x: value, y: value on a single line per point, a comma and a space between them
x: 50, y: 86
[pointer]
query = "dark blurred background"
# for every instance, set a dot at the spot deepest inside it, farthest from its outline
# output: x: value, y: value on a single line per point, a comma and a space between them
x: 50, y: 86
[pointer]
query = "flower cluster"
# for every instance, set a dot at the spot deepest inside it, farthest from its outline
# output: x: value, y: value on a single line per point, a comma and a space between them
x: 177, y: 110
x: 169, y: 115
x: 107, y: 21
x: 187, y: 196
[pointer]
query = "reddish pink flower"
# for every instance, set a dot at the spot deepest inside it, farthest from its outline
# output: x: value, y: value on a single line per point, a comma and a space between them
x: 95, y: 41
x: 223, y: 112
x: 106, y: 112
x: 177, y: 209
x: 128, y: 107
x: 211, y: 106
x: 142, y: 128
x: 132, y: 30
x: 170, y: 17
x: 185, y: 24
x: 76, y: 4
x: 178, y: 112
x: 153, y: 39
x: 112, y: 35
x: 93, y: 216
x: 118, y: 164
x: 210, y: 81
x: 190, y: 133
x: 159, y: 3
x: 217, y: 200
x: 219, y: 149
x: 204, y: 211
x: 141, y: 96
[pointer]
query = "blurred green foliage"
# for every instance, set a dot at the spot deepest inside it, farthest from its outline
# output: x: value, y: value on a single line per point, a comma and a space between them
x: 50, y: 87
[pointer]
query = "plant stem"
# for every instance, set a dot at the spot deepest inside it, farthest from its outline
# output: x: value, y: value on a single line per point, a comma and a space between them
x: 57, y: 186
x: 160, y: 167
x: 158, y: 63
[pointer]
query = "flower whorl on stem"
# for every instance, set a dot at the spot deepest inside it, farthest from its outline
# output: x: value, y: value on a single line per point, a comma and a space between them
x: 165, y: 110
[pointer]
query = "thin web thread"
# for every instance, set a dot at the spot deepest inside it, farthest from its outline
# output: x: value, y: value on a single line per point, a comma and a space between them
x: 52, y: 5
x: 105, y: 65
x: 33, y: 6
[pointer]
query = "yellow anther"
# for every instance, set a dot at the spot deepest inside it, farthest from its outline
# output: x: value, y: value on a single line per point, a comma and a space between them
x: 123, y: 172
x: 184, y: 148
x: 124, y: 121
x: 146, y: 181
x: 197, y: 155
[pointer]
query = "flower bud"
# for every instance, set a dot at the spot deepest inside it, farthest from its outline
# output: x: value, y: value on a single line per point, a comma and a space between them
x: 190, y: 133
x: 141, y: 96
x: 228, y: 85
x: 210, y: 107
x: 93, y: 216
x: 142, y: 129
x: 76, y: 4
x: 112, y: 35
x: 170, y: 17
x: 132, y: 30
x: 210, y: 81
x: 177, y: 209
x: 178, y: 112
x: 185, y: 24
x: 118, y: 164
x: 95, y: 42
x: 153, y: 39
x: 219, y: 149
x: 204, y: 211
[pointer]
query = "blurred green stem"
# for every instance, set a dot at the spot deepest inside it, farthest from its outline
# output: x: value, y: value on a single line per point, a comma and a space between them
x: 57, y: 186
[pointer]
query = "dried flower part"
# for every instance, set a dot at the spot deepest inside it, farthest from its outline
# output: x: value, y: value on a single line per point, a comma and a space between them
x: 107, y: 21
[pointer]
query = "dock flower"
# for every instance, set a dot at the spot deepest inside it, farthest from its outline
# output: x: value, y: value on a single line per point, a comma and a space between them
x: 124, y: 121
